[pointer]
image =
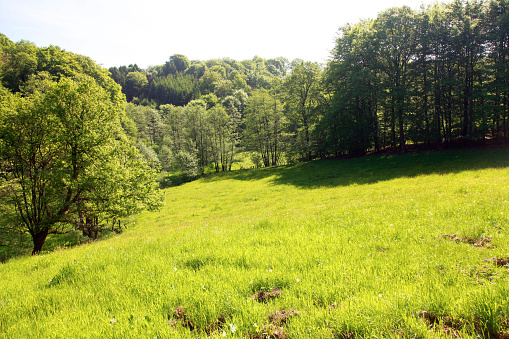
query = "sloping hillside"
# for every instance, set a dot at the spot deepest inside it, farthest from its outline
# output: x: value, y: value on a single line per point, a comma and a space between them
x: 412, y: 246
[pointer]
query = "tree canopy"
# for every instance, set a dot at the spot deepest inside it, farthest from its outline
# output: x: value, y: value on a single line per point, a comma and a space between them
x: 65, y: 158
x: 428, y: 76
x: 433, y: 76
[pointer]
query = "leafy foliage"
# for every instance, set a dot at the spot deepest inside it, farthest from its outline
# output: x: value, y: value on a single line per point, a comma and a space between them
x: 410, y: 76
x: 66, y: 162
x: 265, y: 126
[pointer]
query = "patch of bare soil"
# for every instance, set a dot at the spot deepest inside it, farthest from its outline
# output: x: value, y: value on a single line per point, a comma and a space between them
x: 275, y: 327
x: 452, y: 327
x: 446, y: 325
x: 498, y: 261
x: 280, y: 317
x: 429, y: 317
x: 263, y: 296
x: 504, y: 329
x: 180, y: 318
x: 479, y: 242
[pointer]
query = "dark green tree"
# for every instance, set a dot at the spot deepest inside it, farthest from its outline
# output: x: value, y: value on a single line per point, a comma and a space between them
x: 396, y: 36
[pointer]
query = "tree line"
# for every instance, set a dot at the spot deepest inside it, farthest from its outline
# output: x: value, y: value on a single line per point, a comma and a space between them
x: 269, y: 111
x: 180, y: 80
x: 430, y: 76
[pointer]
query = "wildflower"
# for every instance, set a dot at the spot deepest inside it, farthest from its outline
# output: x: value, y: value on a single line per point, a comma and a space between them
x: 233, y: 328
x: 113, y: 321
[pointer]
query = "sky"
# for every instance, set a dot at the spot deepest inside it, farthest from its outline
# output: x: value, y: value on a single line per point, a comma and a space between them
x: 148, y: 32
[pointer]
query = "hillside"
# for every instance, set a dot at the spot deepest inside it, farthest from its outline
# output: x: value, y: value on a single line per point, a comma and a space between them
x: 401, y: 246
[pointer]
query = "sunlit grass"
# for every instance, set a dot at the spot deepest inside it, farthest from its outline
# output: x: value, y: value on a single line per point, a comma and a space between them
x: 360, y: 247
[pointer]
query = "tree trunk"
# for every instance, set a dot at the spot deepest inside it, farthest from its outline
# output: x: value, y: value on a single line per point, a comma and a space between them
x: 401, y: 131
x: 39, y: 239
x: 393, y: 121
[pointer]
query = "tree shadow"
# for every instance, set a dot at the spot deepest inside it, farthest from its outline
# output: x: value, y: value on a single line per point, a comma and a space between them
x: 375, y: 168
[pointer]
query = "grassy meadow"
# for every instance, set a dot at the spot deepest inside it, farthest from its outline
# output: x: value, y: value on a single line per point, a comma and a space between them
x: 399, y: 246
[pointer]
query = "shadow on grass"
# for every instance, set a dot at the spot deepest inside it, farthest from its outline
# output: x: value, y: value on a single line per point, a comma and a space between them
x: 375, y: 168
x: 22, y: 244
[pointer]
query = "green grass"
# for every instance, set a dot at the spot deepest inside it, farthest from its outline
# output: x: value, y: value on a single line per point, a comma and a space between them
x: 352, y: 247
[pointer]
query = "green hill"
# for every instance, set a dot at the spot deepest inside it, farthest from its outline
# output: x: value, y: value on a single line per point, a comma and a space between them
x: 389, y: 246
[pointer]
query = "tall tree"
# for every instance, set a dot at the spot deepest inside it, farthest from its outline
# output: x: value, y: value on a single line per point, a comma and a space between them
x: 351, y: 122
x: 497, y: 26
x: 55, y: 139
x: 303, y: 88
x: 396, y: 35
x: 18, y: 64
x: 222, y: 137
x: 197, y: 133
x: 265, y: 127
x: 178, y: 63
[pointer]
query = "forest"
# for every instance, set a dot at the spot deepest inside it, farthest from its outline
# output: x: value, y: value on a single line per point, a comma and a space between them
x: 436, y: 76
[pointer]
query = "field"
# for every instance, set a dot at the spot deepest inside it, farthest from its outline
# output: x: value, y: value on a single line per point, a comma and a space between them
x: 400, y: 246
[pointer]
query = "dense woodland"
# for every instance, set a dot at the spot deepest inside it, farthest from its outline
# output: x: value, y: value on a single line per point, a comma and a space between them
x: 432, y: 76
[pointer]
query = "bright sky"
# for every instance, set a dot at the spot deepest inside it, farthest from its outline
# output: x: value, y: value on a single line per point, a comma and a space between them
x: 148, y: 32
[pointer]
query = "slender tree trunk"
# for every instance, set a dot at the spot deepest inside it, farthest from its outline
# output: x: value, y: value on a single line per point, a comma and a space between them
x: 438, y: 116
x: 96, y: 227
x: 372, y: 108
x: 393, y: 124
x: 466, y: 102
x: 449, y: 113
x: 306, y: 128
x: 425, y: 104
x: 401, y: 131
